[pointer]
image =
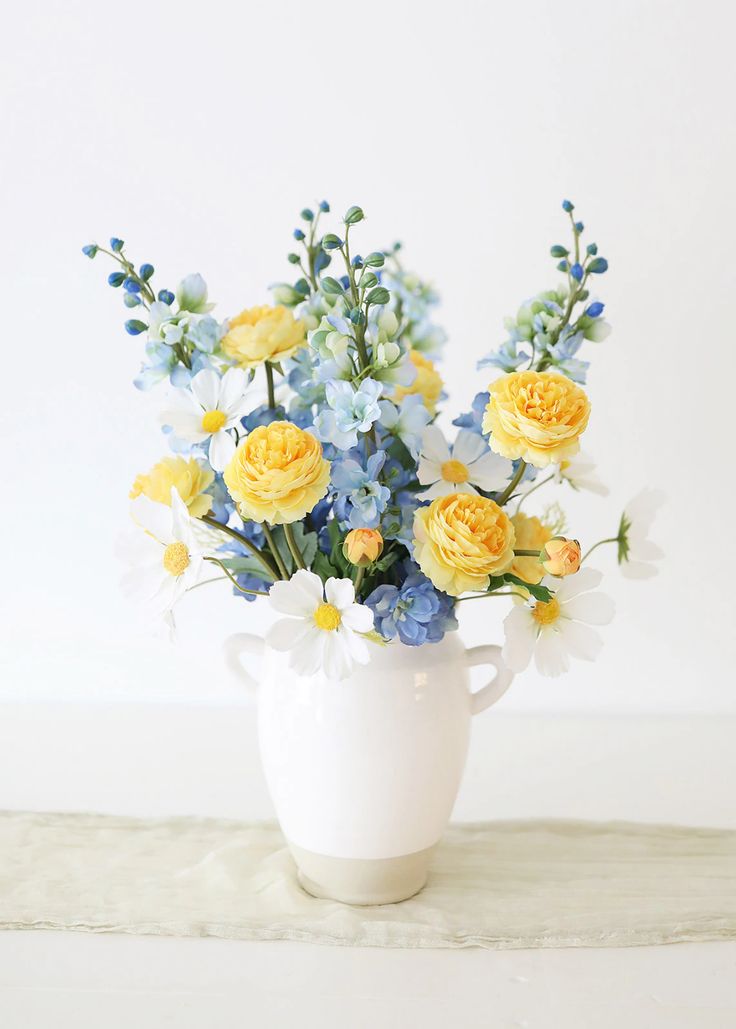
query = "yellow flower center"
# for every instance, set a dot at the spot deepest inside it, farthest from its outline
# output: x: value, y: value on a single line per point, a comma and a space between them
x: 454, y: 471
x: 213, y: 421
x: 546, y: 614
x: 176, y: 558
x: 327, y: 617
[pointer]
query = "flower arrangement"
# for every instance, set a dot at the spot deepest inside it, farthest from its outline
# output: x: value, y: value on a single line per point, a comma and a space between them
x: 307, y: 465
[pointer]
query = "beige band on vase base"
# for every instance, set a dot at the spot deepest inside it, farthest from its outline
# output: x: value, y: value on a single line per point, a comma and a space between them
x: 361, y: 881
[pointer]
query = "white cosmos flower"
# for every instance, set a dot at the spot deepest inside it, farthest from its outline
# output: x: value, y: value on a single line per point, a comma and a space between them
x: 164, y: 553
x: 559, y: 630
x: 211, y: 410
x: 636, y: 551
x: 322, y: 628
x: 579, y: 471
x: 470, y: 464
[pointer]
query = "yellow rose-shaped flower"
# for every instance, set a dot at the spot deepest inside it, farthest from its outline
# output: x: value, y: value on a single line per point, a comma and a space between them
x: 531, y: 534
x: 362, y: 547
x: 538, y: 416
x: 460, y: 540
x: 189, y: 478
x: 261, y: 334
x: 277, y: 474
x: 561, y: 557
x: 427, y: 384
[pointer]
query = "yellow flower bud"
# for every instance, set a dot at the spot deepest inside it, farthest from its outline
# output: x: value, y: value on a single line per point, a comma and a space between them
x: 561, y: 556
x: 362, y: 547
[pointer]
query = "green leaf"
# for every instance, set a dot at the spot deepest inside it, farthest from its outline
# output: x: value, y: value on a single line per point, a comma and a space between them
x: 306, y: 542
x: 379, y: 295
x: 246, y: 566
x: 323, y: 567
x: 538, y: 591
x: 386, y: 561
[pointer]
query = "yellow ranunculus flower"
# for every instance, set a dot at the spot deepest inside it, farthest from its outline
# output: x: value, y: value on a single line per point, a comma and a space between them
x: 460, y: 540
x: 561, y: 557
x: 362, y: 547
x: 189, y: 477
x: 531, y: 534
x: 538, y: 416
x: 427, y: 384
x: 261, y: 334
x: 277, y: 474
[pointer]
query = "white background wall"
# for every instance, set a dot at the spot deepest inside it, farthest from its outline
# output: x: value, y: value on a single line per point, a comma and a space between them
x: 198, y: 131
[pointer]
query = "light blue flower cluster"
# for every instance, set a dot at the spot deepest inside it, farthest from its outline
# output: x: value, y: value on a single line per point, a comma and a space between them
x: 549, y: 329
x: 415, y: 611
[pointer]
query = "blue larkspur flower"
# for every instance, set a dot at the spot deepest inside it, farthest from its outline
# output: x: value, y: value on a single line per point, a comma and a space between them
x: 473, y: 419
x: 415, y: 611
x: 361, y: 499
x: 348, y: 412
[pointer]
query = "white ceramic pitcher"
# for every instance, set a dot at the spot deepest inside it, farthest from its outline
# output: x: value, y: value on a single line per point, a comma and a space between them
x: 363, y: 773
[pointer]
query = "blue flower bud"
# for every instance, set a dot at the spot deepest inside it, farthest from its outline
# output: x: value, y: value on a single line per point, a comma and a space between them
x: 116, y: 278
x: 116, y: 244
x: 577, y: 271
x: 321, y: 261
x: 131, y: 286
x: 90, y: 250
x: 298, y: 235
x: 592, y: 249
x: 307, y: 215
x: 131, y: 300
x: 598, y: 265
x: 357, y: 261
x: 324, y: 207
x: 345, y: 281
x: 331, y: 242
x: 563, y: 266
x: 595, y: 310
x: 558, y: 251
x: 135, y: 327
x: 567, y: 205
x: 166, y: 296
x: 579, y: 227
x: 146, y: 271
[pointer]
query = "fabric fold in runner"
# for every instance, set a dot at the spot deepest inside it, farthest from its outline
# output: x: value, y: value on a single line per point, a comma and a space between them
x: 495, y: 885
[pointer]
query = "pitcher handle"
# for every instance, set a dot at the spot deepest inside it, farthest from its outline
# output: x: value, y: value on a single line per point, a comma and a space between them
x: 237, y: 646
x: 488, y: 654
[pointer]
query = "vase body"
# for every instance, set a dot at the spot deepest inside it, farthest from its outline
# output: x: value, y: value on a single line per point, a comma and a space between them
x: 364, y: 772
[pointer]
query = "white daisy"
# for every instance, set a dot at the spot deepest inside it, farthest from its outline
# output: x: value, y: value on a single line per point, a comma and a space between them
x: 579, y: 471
x: 322, y: 630
x: 556, y: 631
x: 636, y: 552
x: 211, y: 411
x: 166, y: 557
x: 469, y: 464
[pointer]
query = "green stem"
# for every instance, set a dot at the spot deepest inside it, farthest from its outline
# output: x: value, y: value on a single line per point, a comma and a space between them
x: 536, y: 486
x: 505, y: 593
x: 269, y: 380
x: 359, y: 580
x: 611, y: 539
x: 295, y: 552
x: 513, y: 484
x: 234, y: 581
x: 271, y: 569
x: 527, y: 553
x: 274, y: 550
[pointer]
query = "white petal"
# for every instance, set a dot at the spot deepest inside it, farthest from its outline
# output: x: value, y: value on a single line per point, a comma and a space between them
x: 232, y: 387
x: 308, y: 657
x: 336, y: 656
x: 468, y: 447
x: 143, y: 582
x: 340, y: 593
x: 491, y: 472
x: 642, y: 509
x: 550, y: 655
x: 180, y: 521
x: 521, y: 634
x: 434, y: 446
x: 591, y: 608
x: 645, y: 550
x: 300, y: 596
x: 206, y: 388
x: 439, y: 489
x: 356, y: 645
x: 638, y: 570
x: 583, y: 581
x: 357, y: 617
x: 286, y: 633
x: 581, y: 641
x: 428, y: 471
x: 185, y: 424
x: 222, y: 448
x: 153, y: 517
x: 138, y: 548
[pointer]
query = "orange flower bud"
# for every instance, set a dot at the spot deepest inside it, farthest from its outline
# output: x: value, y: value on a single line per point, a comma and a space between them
x: 560, y: 556
x: 362, y: 547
